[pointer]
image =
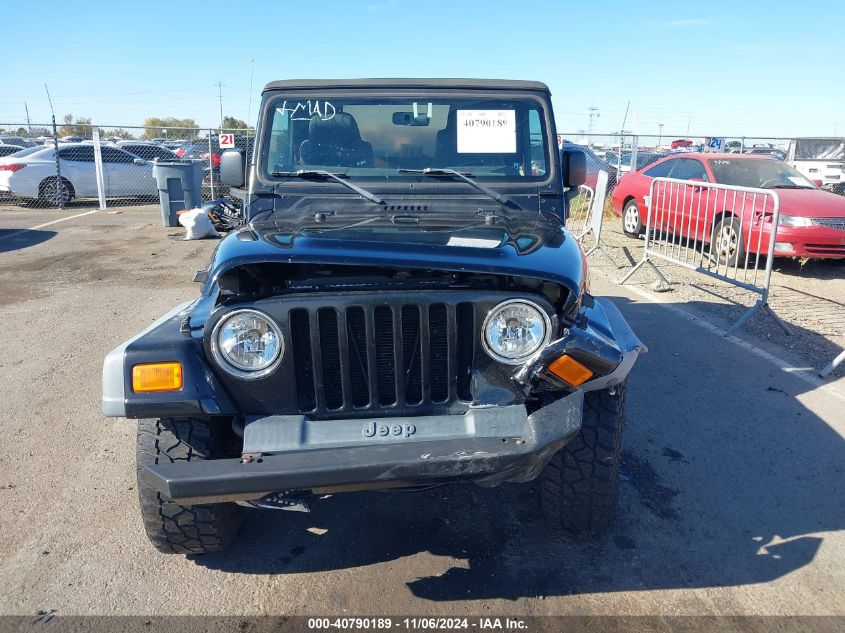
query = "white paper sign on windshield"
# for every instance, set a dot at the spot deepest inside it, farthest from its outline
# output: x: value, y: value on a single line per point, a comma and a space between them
x: 486, y: 132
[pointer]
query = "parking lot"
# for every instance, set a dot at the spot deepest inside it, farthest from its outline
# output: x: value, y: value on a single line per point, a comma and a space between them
x: 732, y: 497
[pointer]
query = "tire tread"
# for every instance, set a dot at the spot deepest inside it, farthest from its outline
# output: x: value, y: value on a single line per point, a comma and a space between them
x: 578, y: 487
x: 173, y: 528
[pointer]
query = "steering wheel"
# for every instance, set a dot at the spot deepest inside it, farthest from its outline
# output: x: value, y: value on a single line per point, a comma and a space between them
x: 772, y: 180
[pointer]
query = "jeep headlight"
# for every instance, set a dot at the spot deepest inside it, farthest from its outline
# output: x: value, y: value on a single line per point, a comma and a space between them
x: 515, y: 330
x: 247, y: 343
x: 794, y: 220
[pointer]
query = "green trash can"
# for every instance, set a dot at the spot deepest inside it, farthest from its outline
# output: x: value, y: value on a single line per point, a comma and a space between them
x: 179, y: 183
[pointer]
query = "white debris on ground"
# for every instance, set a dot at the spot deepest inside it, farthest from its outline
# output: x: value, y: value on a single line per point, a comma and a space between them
x: 198, y: 224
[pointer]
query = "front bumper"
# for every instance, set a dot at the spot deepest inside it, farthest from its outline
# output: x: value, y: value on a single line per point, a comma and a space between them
x: 817, y: 242
x: 489, y: 445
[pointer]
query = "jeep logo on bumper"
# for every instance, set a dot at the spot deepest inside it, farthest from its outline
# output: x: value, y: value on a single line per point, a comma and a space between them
x: 388, y: 430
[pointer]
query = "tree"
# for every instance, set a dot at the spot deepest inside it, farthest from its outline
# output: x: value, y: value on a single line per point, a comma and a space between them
x: 231, y: 123
x: 116, y: 133
x: 80, y: 126
x: 176, y: 128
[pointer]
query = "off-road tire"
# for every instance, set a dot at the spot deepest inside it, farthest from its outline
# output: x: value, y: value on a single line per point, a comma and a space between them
x: 173, y: 528
x: 632, y: 219
x: 578, y: 486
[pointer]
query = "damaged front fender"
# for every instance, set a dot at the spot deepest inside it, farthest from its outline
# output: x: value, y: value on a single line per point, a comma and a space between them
x: 601, y: 340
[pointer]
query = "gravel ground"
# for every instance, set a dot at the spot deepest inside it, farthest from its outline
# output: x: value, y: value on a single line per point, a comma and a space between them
x: 732, y: 493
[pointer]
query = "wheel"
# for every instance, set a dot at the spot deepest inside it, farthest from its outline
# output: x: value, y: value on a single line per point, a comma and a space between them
x: 727, y: 243
x: 174, y: 528
x: 632, y: 224
x: 578, y: 486
x: 55, y: 192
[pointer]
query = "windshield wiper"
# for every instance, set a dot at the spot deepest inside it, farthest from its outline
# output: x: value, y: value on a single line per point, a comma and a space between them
x: 441, y: 171
x: 339, y: 177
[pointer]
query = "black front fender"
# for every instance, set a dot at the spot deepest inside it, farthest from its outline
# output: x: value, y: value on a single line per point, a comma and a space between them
x: 201, y: 393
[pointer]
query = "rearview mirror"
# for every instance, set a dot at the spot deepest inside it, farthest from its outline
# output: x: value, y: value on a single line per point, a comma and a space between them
x: 408, y: 118
x: 573, y: 167
x: 232, y: 168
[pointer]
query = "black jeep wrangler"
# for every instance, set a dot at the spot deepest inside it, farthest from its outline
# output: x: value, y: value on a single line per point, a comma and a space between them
x: 402, y: 307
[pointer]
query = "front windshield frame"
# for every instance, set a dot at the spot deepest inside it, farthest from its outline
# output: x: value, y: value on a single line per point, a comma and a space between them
x: 393, y: 180
x: 778, y: 169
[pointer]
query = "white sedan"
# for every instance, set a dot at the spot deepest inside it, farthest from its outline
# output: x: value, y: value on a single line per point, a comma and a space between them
x: 31, y: 173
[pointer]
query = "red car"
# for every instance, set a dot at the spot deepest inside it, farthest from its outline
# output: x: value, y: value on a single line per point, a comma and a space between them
x: 812, y: 221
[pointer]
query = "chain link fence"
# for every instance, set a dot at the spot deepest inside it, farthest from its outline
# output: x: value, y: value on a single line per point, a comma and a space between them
x: 105, y: 166
x: 821, y: 160
x: 40, y: 169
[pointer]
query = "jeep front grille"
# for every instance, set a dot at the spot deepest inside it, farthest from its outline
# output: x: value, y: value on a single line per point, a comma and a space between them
x: 381, y: 357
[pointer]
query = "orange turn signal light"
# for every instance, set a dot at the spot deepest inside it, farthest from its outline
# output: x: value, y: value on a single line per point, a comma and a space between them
x: 157, y: 377
x: 570, y: 370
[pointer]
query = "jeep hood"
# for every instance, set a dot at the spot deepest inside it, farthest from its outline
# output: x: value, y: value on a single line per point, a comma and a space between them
x: 527, y: 245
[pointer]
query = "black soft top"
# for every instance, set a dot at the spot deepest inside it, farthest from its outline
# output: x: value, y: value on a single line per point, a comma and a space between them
x: 485, y: 84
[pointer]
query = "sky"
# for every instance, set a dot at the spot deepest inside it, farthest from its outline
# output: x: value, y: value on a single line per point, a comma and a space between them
x: 711, y: 68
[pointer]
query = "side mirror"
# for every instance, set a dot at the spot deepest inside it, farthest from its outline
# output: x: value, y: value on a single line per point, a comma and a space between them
x: 573, y: 167
x: 817, y: 183
x: 232, y: 168
x: 139, y: 161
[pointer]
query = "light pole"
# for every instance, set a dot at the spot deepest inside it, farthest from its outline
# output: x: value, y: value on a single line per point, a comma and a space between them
x: 594, y: 112
x: 659, y: 134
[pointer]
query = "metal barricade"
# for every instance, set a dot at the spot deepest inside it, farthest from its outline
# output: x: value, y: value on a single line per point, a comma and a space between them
x: 723, y: 231
x: 594, y: 218
x: 578, y: 217
x: 824, y: 373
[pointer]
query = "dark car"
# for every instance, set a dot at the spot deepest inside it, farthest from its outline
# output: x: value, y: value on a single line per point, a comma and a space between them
x: 771, y: 152
x: 644, y: 159
x: 199, y: 149
x: 147, y: 151
x: 16, y: 140
x: 594, y: 166
x: 402, y: 308
x: 8, y: 150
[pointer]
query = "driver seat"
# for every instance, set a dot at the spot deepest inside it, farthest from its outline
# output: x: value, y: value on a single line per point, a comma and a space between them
x: 335, y: 142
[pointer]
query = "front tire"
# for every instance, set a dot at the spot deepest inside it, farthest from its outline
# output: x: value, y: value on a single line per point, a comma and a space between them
x: 632, y: 224
x: 728, y: 245
x: 578, y: 487
x: 173, y: 528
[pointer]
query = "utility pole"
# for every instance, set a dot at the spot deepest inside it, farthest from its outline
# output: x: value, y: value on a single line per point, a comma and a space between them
x: 659, y: 134
x: 688, y: 118
x: 28, y: 124
x: 220, y: 93
x: 593, y: 112
x: 249, y: 110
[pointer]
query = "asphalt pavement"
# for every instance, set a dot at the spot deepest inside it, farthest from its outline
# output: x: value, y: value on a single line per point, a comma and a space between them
x: 732, y: 495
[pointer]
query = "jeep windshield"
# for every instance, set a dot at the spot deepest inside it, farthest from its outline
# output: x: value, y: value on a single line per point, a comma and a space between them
x: 384, y: 139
